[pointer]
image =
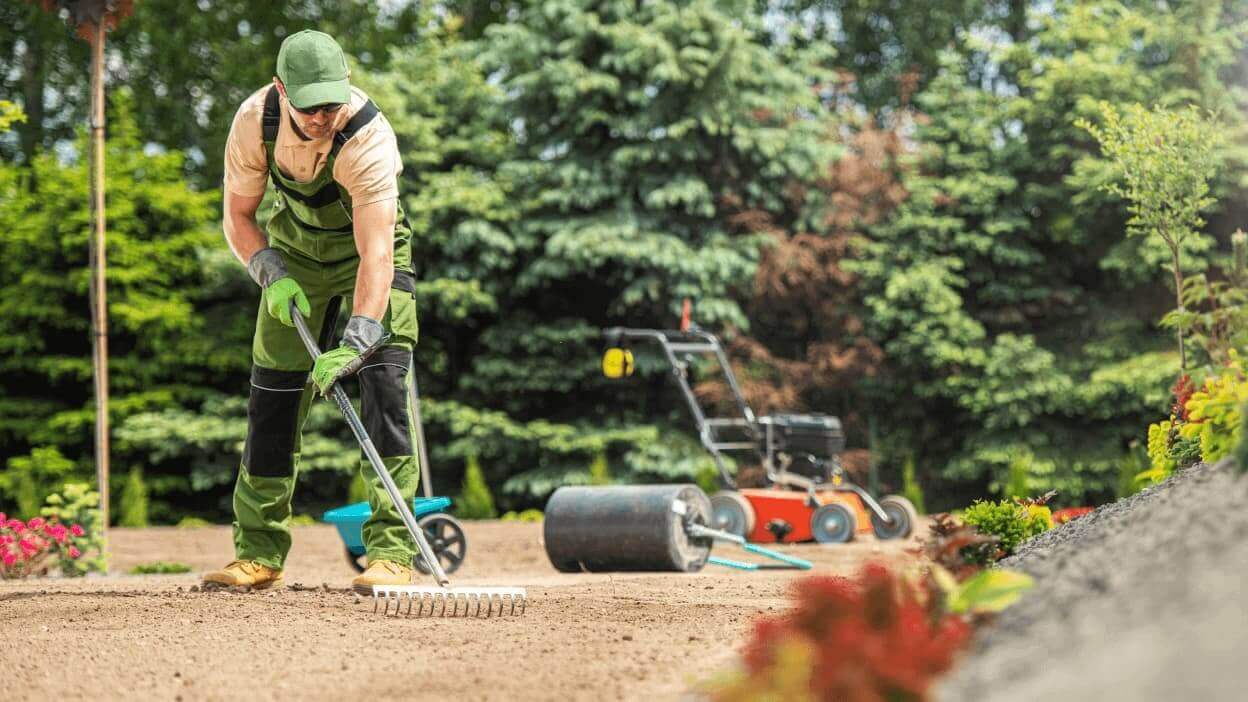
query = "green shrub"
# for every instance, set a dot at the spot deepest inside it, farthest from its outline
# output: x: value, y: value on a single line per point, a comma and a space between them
x: 910, y: 488
x: 1017, y: 481
x: 189, y: 522
x: 1241, y: 449
x: 528, y: 515
x: 77, y: 503
x: 1213, y: 417
x: 133, y: 512
x: 708, y: 478
x: 358, y: 491
x: 1129, y: 466
x: 475, y: 500
x: 29, y: 479
x: 1009, y: 521
x: 160, y: 568
x: 599, y: 470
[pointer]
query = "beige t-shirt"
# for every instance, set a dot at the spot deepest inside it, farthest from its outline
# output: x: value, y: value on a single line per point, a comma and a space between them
x: 368, y: 165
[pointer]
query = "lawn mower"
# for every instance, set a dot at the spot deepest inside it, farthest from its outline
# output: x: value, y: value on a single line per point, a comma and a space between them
x: 808, y: 495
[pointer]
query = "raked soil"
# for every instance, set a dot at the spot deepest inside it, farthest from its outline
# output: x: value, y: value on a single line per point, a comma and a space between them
x: 1144, y: 600
x: 584, y: 636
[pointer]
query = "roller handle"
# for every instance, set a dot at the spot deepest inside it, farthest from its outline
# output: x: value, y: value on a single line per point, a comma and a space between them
x: 370, y: 451
x: 704, y: 532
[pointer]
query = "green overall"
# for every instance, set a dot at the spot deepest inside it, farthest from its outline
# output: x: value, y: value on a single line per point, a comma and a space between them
x: 311, y: 226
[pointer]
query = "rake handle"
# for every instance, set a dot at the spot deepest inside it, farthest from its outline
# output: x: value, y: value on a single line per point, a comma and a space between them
x: 370, y: 452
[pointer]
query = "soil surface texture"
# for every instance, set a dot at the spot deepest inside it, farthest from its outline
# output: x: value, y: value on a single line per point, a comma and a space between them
x: 640, y: 636
x: 1143, y: 599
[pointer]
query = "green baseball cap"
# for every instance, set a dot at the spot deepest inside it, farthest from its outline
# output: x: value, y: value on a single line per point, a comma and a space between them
x: 313, y: 68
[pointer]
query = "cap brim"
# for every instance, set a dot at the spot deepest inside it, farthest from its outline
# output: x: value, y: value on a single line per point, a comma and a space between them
x: 333, y: 91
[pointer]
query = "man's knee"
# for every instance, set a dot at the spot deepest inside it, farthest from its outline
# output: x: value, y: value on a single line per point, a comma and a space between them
x: 273, y: 421
x: 383, y: 400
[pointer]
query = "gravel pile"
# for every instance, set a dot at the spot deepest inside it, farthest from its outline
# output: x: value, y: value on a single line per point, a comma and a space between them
x: 1143, y: 599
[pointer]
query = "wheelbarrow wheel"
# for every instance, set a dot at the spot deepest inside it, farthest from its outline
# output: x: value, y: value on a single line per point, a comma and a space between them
x: 358, y: 562
x: 446, y: 537
x: 833, y: 523
x: 731, y: 512
x: 901, y: 518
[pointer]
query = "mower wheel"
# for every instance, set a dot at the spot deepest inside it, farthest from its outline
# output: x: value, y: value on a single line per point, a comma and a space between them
x: 731, y: 512
x: 902, y: 518
x: 446, y: 537
x: 833, y: 523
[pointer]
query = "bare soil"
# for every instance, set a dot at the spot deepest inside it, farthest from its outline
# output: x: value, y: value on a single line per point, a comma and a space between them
x: 651, y: 636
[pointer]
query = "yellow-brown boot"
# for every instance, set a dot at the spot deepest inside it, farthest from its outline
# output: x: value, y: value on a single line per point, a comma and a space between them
x: 253, y: 574
x: 381, y: 573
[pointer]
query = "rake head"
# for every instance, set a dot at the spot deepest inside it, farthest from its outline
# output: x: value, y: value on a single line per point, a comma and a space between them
x: 449, y: 601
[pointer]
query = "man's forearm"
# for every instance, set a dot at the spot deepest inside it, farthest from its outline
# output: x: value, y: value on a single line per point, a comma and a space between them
x: 372, y: 286
x: 244, y: 236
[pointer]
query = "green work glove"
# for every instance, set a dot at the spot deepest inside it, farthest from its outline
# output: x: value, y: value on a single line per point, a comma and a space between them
x: 364, y: 335
x: 268, y: 269
x: 278, y: 296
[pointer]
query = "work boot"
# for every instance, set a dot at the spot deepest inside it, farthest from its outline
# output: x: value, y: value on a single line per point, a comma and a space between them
x: 253, y: 574
x: 381, y: 573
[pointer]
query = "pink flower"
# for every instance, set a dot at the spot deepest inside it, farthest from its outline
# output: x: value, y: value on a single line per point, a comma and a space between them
x: 74, y: 552
x: 35, y: 522
x: 9, y: 558
x: 28, y: 547
x: 76, y: 530
x: 16, y: 525
x: 3, y: 517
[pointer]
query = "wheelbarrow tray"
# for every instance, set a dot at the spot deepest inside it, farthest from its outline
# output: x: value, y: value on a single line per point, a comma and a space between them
x: 349, y: 520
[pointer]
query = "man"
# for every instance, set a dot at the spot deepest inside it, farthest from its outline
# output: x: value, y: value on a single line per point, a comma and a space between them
x: 337, y: 231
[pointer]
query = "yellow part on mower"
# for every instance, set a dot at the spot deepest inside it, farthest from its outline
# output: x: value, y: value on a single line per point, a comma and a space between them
x: 617, y: 363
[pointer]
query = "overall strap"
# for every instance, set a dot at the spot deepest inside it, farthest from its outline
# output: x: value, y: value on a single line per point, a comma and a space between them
x: 272, y: 115
x: 355, y: 124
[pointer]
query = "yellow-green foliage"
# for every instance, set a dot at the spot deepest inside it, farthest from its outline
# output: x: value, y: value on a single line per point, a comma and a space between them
x: 528, y: 515
x: 475, y: 500
x: 134, y: 505
x: 1161, y: 463
x: 599, y: 470
x: 1009, y: 521
x: 1213, y: 413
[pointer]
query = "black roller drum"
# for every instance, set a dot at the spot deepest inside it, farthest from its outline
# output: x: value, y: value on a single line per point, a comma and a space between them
x: 626, y: 527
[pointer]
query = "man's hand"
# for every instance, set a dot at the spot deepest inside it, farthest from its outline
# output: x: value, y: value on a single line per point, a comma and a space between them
x: 278, y: 296
x: 268, y: 269
x: 364, y: 335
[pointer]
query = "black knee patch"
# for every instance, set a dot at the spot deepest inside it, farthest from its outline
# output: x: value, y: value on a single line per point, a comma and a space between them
x: 383, y: 401
x: 272, y: 421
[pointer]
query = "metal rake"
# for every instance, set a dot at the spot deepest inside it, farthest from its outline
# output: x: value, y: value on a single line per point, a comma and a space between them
x: 443, y: 594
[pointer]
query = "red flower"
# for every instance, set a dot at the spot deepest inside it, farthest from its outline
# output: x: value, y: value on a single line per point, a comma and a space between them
x: 875, y: 638
x: 76, y: 530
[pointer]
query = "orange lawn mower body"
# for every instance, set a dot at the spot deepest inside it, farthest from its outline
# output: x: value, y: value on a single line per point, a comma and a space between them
x: 807, y: 497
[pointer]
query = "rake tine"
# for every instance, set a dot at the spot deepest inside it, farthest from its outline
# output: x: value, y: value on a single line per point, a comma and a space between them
x: 374, y: 601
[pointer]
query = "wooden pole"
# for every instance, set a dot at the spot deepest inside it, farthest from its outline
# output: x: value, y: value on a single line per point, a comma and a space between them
x: 99, y: 303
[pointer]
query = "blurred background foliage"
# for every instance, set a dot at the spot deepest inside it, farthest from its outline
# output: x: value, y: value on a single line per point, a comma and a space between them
x: 888, y: 211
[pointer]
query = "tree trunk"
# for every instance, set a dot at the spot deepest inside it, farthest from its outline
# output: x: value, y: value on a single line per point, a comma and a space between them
x: 34, y: 74
x: 1178, y: 295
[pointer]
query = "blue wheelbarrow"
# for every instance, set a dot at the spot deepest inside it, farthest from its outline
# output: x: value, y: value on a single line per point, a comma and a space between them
x: 444, y: 533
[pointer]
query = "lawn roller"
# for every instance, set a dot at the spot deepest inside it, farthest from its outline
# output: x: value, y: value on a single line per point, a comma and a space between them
x: 807, y: 496
x: 427, y: 597
x: 641, y: 528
